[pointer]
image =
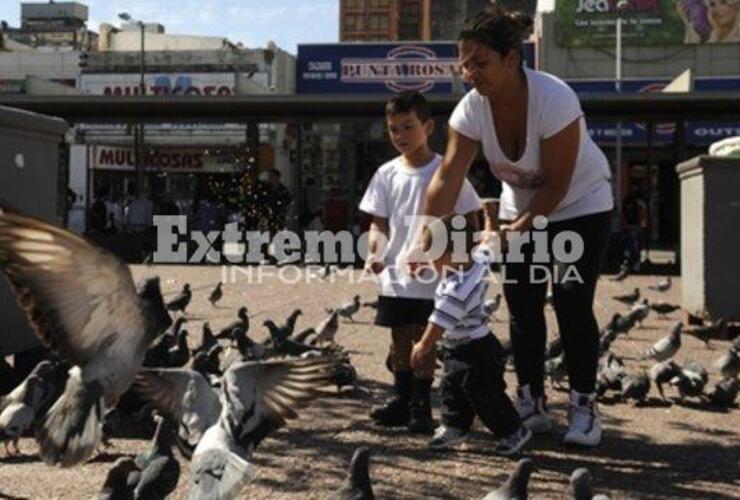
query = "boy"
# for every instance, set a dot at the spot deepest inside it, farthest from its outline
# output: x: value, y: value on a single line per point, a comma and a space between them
x: 394, y: 195
x: 472, y: 382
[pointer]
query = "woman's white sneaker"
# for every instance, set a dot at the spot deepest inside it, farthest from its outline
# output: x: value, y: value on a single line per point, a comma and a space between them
x: 445, y: 438
x: 532, y: 411
x: 585, y: 422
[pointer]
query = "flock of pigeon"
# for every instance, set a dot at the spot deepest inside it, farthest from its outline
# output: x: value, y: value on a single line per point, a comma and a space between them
x: 116, y: 353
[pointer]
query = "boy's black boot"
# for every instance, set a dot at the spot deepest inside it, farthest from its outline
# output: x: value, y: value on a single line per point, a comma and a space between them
x: 395, y: 411
x: 420, y: 410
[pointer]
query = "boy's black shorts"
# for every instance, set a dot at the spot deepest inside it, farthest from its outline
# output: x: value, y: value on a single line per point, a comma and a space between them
x: 403, y: 311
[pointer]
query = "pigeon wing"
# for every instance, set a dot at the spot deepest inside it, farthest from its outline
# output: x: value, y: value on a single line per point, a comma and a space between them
x: 75, y: 294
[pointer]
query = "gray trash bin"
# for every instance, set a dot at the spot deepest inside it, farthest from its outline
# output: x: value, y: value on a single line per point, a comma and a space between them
x: 710, y: 237
x: 29, y: 181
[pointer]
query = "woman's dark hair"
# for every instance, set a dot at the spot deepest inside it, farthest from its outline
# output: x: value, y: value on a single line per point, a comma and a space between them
x: 499, y: 28
x: 407, y: 102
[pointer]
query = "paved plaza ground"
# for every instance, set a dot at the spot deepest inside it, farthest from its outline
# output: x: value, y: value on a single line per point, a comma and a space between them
x: 654, y: 451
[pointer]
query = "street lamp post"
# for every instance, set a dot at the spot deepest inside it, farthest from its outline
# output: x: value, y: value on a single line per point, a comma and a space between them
x: 621, y: 6
x: 140, y: 148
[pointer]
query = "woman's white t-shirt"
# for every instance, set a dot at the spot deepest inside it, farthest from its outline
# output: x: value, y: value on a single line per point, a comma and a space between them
x: 396, y: 192
x: 552, y: 105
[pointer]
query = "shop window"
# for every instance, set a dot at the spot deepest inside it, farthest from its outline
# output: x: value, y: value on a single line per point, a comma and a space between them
x: 353, y: 23
x: 378, y: 22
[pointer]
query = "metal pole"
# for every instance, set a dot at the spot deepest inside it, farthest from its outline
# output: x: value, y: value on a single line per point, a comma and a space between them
x: 141, y: 165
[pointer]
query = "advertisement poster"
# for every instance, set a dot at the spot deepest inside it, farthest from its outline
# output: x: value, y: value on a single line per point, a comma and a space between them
x: 588, y: 23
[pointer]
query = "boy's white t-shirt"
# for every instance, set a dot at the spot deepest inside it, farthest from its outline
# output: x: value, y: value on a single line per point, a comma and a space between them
x: 552, y: 105
x: 396, y: 191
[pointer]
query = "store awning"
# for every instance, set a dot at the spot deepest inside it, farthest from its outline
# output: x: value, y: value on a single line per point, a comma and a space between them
x: 655, y: 107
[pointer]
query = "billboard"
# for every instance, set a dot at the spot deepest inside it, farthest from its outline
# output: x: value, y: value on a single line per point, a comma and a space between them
x: 378, y: 68
x: 697, y: 133
x: 587, y: 23
x: 119, y: 84
x: 165, y: 159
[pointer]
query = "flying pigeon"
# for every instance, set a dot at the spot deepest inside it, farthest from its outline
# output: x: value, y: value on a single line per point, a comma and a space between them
x: 515, y: 486
x: 350, y: 308
x: 216, y: 294
x: 667, y: 347
x: 257, y: 397
x: 181, y: 300
x: 662, y: 286
x: 84, y: 306
x: 630, y: 298
x: 357, y: 484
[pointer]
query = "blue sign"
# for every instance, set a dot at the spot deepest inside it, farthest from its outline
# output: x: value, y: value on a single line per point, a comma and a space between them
x: 697, y: 133
x: 379, y: 68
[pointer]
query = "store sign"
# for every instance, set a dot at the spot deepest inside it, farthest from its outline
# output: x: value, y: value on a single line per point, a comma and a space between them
x: 12, y: 86
x: 165, y: 160
x: 371, y: 68
x: 585, y: 23
x: 120, y: 84
x: 697, y: 133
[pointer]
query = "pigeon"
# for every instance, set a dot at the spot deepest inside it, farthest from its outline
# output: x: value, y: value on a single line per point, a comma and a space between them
x: 349, y: 309
x: 606, y: 340
x: 662, y: 286
x: 621, y: 324
x: 207, y: 364
x: 372, y: 304
x: 724, y: 393
x: 176, y: 327
x: 554, y: 349
x: 556, y: 370
x: 258, y: 397
x: 639, y: 312
x: 662, y: 373
x: 160, y: 471
x: 48, y: 380
x: 635, y: 387
x: 357, y: 484
x: 491, y: 306
x: 630, y: 298
x: 667, y: 347
x: 624, y: 271
x: 708, y: 332
x: 664, y: 308
x: 84, y: 306
x: 157, y: 355
x: 285, y: 346
x: 289, y: 326
x: 690, y: 380
x: 729, y: 363
x: 327, y: 329
x: 580, y: 485
x: 181, y: 300
x: 17, y: 414
x: 185, y: 396
x: 242, y: 322
x: 179, y: 354
x: 248, y: 349
x: 207, y: 340
x: 612, y: 371
x: 515, y: 487
x: 216, y: 294
x: 116, y: 485
x: 303, y: 336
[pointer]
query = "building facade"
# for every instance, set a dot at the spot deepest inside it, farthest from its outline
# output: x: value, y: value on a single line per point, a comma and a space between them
x: 376, y: 20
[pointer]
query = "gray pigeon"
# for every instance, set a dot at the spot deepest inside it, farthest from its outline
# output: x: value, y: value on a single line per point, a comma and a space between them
x: 257, y: 399
x: 664, y: 308
x: 357, y: 484
x: 216, y: 294
x: 556, y: 370
x: 350, y: 308
x: 181, y: 300
x: 639, y: 312
x: 667, y: 347
x: 515, y: 488
x: 160, y: 471
x: 283, y: 346
x: 84, y: 306
x: 327, y: 329
x: 729, y: 363
x: 690, y: 380
x: 580, y: 485
x: 662, y: 373
x: 490, y: 307
x: 184, y: 395
x: 635, y: 387
x: 724, y: 393
x: 17, y: 415
x: 629, y: 298
x: 708, y: 332
x: 662, y: 286
x: 116, y: 485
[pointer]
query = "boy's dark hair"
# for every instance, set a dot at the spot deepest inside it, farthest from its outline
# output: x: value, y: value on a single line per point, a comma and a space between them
x: 445, y: 225
x: 407, y: 102
x: 498, y: 28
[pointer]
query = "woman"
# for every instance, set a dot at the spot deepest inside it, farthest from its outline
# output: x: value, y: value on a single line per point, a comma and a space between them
x: 532, y: 131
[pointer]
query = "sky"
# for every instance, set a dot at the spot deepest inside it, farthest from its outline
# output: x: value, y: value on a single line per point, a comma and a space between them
x: 252, y: 22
